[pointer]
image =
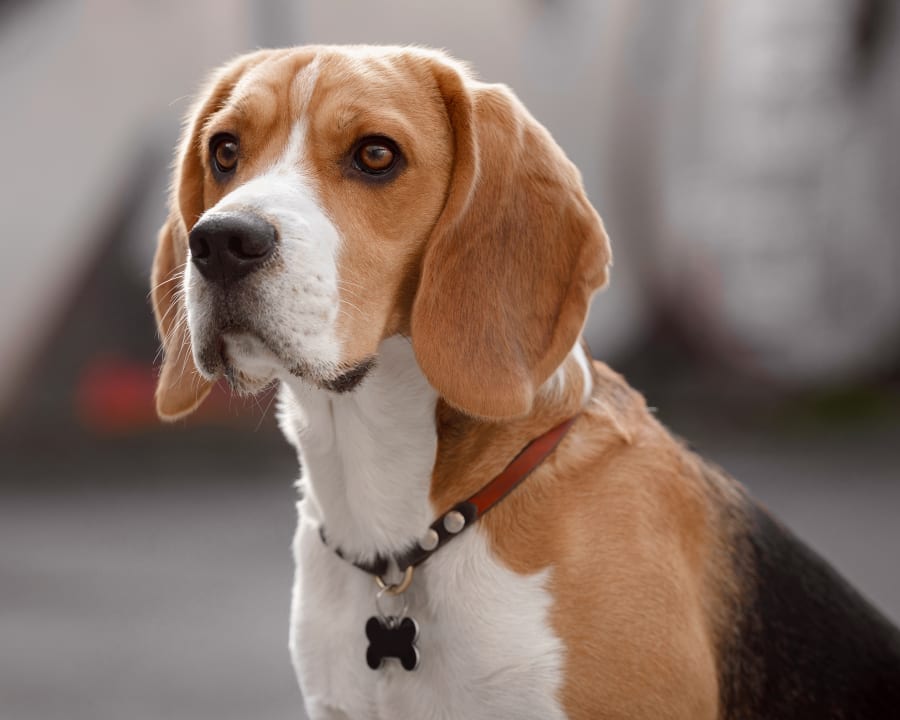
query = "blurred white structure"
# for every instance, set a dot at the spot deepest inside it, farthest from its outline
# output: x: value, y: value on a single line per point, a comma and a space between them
x: 782, y: 179
x: 748, y: 183
x: 86, y: 85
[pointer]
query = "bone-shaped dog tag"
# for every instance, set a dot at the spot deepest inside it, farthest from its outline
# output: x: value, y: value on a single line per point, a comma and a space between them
x: 392, y: 637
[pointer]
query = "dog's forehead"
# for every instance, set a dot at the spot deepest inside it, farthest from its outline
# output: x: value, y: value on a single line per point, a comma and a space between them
x: 279, y: 84
x: 329, y: 79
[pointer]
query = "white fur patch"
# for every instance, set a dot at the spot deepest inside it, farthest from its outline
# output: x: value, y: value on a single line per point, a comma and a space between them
x: 584, y: 365
x: 298, y: 304
x: 487, y: 650
x: 485, y: 645
x: 555, y: 385
x: 367, y: 455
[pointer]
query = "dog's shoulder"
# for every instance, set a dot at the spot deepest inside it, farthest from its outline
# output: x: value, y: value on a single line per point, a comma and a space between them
x: 621, y: 514
x: 705, y: 580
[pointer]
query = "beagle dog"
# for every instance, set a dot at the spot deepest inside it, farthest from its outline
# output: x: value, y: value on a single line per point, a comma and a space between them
x: 492, y: 525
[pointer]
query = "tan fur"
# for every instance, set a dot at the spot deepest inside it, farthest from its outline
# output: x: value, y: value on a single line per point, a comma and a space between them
x: 255, y: 103
x: 485, y: 251
x: 384, y: 226
x: 622, y: 516
x: 485, y: 248
x: 511, y: 266
x: 180, y: 389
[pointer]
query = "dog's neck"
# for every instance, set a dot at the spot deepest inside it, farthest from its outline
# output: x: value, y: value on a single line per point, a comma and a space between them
x: 367, y: 456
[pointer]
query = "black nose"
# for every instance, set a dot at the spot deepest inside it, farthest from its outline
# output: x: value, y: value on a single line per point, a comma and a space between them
x: 228, y: 246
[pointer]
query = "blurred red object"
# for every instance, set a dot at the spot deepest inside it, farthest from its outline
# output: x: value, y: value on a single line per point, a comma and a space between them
x: 115, y: 395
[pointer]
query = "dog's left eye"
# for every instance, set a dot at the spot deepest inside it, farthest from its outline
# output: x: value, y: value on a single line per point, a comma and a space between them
x: 223, y: 149
x: 376, y: 156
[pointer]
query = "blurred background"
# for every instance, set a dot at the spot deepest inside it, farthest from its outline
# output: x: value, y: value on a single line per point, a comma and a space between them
x: 743, y: 154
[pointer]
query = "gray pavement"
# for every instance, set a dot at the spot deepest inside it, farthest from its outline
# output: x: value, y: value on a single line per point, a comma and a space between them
x: 139, y: 597
x: 137, y: 604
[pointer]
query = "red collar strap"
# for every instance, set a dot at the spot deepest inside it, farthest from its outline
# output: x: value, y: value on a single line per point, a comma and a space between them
x: 464, y: 514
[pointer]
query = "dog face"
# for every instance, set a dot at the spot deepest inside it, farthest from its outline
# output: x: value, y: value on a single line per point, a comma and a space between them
x: 328, y: 198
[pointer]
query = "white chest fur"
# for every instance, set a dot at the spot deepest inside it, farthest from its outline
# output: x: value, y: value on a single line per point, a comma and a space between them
x: 487, y: 650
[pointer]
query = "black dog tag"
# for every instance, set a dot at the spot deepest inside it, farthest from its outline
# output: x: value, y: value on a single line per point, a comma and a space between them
x: 392, y: 637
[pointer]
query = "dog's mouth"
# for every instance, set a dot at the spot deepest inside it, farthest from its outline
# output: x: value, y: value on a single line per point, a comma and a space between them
x: 250, y: 364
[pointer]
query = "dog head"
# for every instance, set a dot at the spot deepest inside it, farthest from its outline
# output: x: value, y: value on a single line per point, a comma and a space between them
x: 327, y: 198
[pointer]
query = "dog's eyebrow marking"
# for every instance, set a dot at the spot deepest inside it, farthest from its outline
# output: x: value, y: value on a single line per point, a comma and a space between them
x: 347, y: 117
x: 254, y: 92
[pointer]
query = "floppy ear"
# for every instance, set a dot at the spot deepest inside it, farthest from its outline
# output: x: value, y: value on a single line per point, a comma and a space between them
x: 510, y: 267
x: 180, y: 388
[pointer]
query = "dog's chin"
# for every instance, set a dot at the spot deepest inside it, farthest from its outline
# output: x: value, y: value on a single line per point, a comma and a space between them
x: 245, y: 361
x: 250, y: 365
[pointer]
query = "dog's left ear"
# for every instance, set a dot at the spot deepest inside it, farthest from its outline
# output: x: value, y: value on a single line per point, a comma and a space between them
x: 510, y: 267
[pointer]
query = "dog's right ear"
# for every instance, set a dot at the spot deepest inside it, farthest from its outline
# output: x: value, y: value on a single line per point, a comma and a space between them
x: 180, y: 388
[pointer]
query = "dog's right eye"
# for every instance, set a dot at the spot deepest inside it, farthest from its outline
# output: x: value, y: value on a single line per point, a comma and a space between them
x: 223, y: 149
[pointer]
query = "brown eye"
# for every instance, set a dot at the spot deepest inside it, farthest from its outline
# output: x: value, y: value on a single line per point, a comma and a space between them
x: 376, y: 156
x: 224, y: 151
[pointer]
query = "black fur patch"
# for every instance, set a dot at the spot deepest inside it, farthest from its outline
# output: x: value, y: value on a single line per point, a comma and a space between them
x: 350, y: 379
x: 807, y: 645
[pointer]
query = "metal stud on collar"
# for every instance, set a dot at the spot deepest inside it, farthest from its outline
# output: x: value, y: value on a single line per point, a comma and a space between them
x: 429, y: 540
x: 454, y: 522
